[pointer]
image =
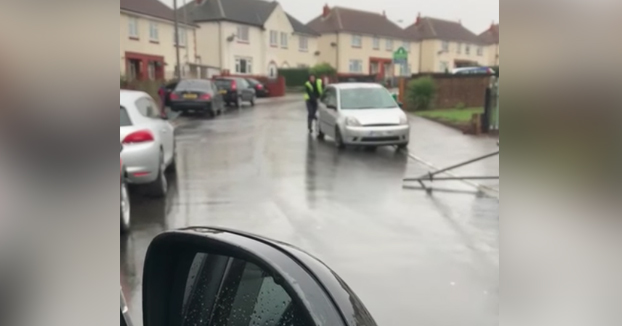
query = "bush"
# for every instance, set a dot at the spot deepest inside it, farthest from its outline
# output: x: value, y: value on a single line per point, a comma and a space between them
x: 420, y: 93
x: 323, y: 69
x: 294, y: 76
x: 460, y: 106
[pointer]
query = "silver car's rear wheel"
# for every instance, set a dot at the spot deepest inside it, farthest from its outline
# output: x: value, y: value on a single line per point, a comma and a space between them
x: 160, y: 186
x: 125, y: 208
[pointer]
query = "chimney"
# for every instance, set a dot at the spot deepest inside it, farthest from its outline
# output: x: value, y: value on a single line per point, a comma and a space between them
x: 418, y: 18
x: 460, y: 21
x: 325, y: 11
x: 384, y: 13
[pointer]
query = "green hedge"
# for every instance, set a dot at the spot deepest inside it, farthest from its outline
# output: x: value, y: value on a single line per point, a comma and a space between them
x: 294, y: 76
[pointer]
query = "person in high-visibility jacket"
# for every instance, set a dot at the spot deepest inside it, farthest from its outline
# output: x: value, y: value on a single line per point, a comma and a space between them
x: 313, y: 92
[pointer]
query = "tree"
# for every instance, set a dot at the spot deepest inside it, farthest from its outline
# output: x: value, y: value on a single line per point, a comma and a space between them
x: 323, y: 69
x: 420, y: 92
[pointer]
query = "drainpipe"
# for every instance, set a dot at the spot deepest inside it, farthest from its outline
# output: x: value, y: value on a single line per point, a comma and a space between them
x: 337, y: 52
x: 420, y: 56
x: 220, y: 47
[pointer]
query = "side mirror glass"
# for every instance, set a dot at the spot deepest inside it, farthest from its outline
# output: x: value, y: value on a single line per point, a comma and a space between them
x: 219, y: 277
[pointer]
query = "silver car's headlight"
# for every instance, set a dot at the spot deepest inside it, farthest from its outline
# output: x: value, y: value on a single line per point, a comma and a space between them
x: 351, y: 121
x: 403, y: 120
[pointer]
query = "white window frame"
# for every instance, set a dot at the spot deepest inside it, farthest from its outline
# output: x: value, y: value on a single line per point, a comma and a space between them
x: 183, y: 37
x: 444, y: 66
x: 467, y: 49
x: 357, y: 41
x: 274, y: 38
x: 355, y: 66
x: 284, y: 40
x: 459, y: 49
x: 248, y: 65
x: 154, y: 34
x: 132, y: 25
x: 303, y: 43
x: 445, y: 46
x: 376, y: 43
x: 480, y: 51
x: 242, y: 34
x: 389, y: 45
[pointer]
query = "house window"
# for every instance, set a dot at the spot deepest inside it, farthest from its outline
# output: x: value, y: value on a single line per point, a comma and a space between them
x: 356, y: 66
x: 459, y: 48
x: 480, y: 51
x: 243, y: 65
x: 406, y: 46
x: 357, y: 42
x: 376, y: 42
x: 182, y: 37
x: 152, y: 70
x: 153, y: 32
x: 133, y: 27
x: 284, y: 40
x: 389, y: 45
x: 274, y: 38
x: 303, y: 43
x: 243, y: 34
x: 445, y: 46
x: 444, y: 66
x: 467, y: 49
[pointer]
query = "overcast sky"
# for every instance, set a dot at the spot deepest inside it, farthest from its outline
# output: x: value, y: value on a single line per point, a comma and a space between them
x: 476, y: 15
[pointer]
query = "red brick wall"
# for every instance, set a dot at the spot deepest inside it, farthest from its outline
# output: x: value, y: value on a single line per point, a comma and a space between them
x: 469, y: 90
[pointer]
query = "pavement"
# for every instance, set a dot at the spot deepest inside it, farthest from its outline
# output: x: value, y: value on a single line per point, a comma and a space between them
x: 413, y: 258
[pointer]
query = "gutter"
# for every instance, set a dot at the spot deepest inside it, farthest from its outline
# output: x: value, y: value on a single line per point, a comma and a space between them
x: 220, y: 49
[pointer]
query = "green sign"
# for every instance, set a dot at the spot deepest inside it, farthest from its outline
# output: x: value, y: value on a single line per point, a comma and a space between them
x: 400, y: 56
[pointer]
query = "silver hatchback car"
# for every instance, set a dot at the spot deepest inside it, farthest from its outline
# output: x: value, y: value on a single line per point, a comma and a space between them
x: 364, y: 114
x: 148, y: 142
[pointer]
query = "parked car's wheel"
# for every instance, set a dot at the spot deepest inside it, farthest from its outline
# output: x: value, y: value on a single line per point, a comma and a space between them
x: 125, y: 208
x: 320, y: 134
x: 172, y: 167
x: 159, y: 187
x: 402, y: 146
x: 338, y: 139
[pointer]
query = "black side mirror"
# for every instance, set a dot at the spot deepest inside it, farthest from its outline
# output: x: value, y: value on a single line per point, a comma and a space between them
x: 225, y: 277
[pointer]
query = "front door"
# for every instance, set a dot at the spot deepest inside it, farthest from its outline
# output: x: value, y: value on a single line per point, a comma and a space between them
x: 328, y: 116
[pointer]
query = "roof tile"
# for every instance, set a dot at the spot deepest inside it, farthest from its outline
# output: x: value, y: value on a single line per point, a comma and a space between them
x: 342, y: 19
x: 432, y: 28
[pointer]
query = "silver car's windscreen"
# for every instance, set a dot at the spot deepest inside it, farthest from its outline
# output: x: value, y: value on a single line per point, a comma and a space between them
x: 125, y: 118
x: 366, y: 98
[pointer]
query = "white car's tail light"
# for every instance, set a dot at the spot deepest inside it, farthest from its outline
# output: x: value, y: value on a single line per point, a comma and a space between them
x: 141, y: 136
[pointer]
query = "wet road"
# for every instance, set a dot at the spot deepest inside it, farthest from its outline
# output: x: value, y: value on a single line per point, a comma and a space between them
x: 414, y: 259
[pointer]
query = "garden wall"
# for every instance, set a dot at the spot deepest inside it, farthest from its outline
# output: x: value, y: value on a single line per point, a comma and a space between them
x: 454, y: 90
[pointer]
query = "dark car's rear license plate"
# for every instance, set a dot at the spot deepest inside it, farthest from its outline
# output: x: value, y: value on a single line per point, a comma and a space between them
x: 190, y: 96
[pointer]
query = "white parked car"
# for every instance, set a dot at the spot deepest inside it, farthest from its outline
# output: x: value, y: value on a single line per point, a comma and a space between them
x: 148, y: 141
x: 364, y: 114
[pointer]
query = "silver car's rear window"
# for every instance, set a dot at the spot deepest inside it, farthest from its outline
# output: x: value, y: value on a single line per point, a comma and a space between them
x: 125, y: 118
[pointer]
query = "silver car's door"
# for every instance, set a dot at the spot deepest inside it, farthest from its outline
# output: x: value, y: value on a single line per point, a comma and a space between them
x: 328, y: 111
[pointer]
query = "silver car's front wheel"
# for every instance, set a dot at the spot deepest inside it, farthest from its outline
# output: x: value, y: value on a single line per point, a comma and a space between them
x: 125, y: 208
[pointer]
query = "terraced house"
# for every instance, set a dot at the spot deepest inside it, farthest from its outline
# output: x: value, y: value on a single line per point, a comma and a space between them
x: 490, y: 38
x: 445, y: 45
x: 147, y: 41
x: 250, y: 37
x: 359, y: 42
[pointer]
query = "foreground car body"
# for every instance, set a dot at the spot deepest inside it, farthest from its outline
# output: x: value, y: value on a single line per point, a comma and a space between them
x: 148, y: 141
x: 214, y: 276
x: 362, y: 114
x: 125, y: 200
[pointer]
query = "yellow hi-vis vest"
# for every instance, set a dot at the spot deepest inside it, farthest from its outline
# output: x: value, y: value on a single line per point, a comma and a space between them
x: 310, y: 88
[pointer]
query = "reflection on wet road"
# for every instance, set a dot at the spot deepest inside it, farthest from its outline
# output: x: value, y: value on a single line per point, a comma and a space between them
x: 412, y: 258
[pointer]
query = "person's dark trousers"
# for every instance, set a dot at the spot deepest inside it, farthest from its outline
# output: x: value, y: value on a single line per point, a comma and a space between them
x: 312, y: 111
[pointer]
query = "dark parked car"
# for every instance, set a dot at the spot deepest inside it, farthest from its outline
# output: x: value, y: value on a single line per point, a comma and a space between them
x: 170, y: 87
x: 235, y: 90
x: 260, y: 88
x: 197, y: 95
x: 214, y: 276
